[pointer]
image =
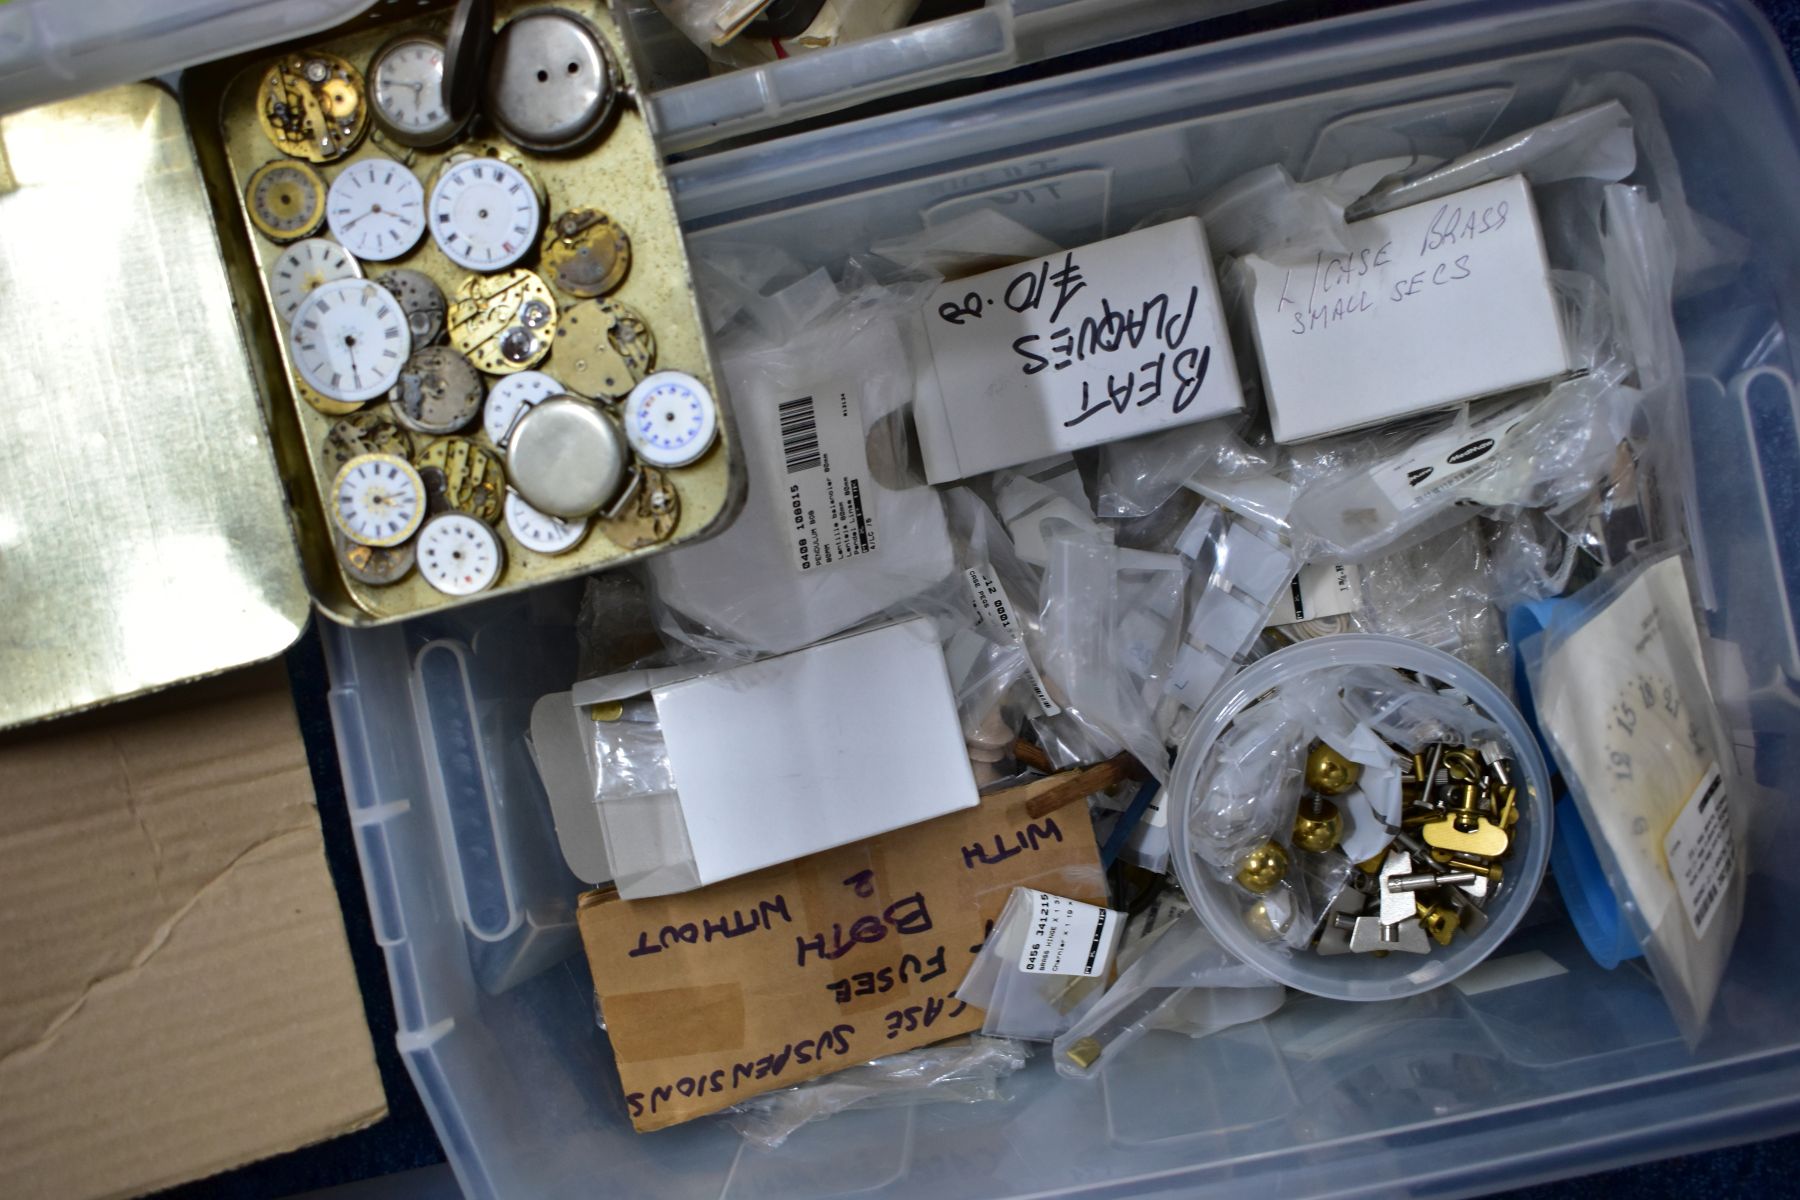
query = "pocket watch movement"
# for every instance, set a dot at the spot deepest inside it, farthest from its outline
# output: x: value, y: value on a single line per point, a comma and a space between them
x: 312, y: 106
x: 503, y: 322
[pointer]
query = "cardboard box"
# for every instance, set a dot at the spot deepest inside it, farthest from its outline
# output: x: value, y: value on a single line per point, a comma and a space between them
x: 178, y: 996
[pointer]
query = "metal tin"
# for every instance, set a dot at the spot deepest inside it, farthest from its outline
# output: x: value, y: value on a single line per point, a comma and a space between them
x: 185, y: 556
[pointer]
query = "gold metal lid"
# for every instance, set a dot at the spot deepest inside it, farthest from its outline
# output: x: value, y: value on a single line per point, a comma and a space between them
x: 144, y: 538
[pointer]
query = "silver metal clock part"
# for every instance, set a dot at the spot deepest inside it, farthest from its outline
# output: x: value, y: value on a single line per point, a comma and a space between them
x: 437, y: 391
x: 406, y: 91
x: 376, y: 209
x: 484, y: 213
x: 307, y: 265
x: 377, y: 500
x: 377, y: 566
x: 551, y: 84
x: 566, y: 457
x: 459, y: 555
x: 510, y: 397
x: 671, y: 419
x: 421, y: 300
x: 539, y: 531
x: 349, y: 340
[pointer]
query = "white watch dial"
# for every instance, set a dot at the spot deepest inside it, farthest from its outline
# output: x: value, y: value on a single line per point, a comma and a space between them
x: 407, y: 82
x: 349, y: 340
x: 378, y: 499
x: 307, y: 265
x: 459, y: 555
x: 540, y: 531
x: 512, y: 396
x: 671, y: 419
x: 376, y: 208
x: 484, y: 214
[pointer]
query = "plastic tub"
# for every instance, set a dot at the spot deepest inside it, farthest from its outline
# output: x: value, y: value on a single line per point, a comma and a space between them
x: 1536, y: 1064
x: 1359, y: 976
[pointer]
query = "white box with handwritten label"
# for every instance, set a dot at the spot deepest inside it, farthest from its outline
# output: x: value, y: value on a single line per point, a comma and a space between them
x: 1428, y: 306
x: 1112, y: 340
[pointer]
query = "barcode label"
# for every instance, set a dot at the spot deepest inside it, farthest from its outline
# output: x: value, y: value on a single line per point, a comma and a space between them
x: 1702, y: 852
x: 800, y: 435
x: 826, y: 498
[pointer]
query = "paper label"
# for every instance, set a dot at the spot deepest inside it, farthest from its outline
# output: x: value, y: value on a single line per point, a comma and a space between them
x: 1107, y: 341
x: 1444, y: 460
x: 828, y: 502
x: 989, y: 600
x: 1426, y: 306
x: 1701, y: 854
x: 1067, y: 937
x: 1319, y: 590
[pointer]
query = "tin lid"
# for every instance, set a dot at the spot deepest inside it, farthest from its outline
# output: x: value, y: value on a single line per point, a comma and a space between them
x: 144, y: 538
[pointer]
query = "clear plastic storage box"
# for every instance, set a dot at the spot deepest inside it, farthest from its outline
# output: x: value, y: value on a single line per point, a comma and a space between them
x: 1539, y: 1064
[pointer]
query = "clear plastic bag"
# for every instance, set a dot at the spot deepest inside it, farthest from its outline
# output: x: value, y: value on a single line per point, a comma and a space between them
x: 960, y: 1071
x: 1044, y: 963
x: 837, y: 528
x: 1623, y: 700
x: 1591, y: 143
x: 1183, y: 977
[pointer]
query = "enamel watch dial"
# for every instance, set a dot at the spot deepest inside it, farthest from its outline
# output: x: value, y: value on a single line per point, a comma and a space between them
x: 285, y: 199
x: 510, y: 397
x: 459, y: 555
x: 349, y: 340
x: 671, y: 419
x: 484, y: 214
x: 305, y: 266
x: 406, y: 81
x: 539, y: 531
x: 376, y: 208
x: 377, y: 500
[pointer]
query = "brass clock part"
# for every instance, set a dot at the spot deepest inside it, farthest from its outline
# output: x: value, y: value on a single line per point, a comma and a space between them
x: 438, y: 391
x: 471, y: 479
x: 647, y: 514
x: 285, y: 199
x: 586, y: 253
x: 313, y: 105
x: 377, y: 566
x: 366, y: 432
x: 503, y: 322
x: 325, y: 404
x: 603, y: 348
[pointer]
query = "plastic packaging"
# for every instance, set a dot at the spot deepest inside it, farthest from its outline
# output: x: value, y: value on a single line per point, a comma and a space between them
x: 1623, y: 701
x: 836, y: 528
x: 960, y: 1071
x: 1592, y: 143
x: 711, y: 22
x: 1044, y: 963
x: 1313, y: 668
x: 1184, y: 968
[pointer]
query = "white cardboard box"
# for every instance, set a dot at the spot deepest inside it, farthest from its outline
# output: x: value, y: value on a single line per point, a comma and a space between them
x: 1431, y: 305
x: 1108, y: 341
x: 782, y: 758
